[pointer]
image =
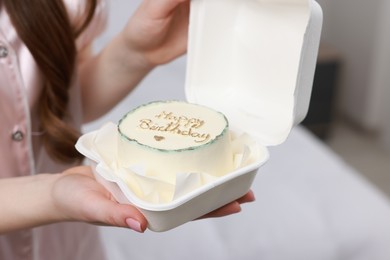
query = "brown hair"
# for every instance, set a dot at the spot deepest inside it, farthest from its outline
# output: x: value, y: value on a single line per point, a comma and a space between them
x: 45, y: 28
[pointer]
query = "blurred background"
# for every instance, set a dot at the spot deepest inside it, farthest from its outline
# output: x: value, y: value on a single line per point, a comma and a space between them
x: 350, y: 107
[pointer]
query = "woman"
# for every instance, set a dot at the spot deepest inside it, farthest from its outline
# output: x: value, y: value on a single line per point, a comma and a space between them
x: 50, y: 83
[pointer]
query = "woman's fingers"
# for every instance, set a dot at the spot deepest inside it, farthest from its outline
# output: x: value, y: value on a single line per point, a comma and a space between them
x: 248, y: 197
x: 232, y: 207
x: 78, y: 196
x: 112, y: 213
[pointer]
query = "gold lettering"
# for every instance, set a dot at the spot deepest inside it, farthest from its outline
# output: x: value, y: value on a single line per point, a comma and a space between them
x: 145, y: 123
x: 176, y: 124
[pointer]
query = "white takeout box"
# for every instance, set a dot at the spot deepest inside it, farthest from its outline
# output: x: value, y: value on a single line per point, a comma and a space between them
x: 253, y: 60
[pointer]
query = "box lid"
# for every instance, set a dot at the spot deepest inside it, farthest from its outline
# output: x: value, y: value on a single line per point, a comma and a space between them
x: 254, y: 60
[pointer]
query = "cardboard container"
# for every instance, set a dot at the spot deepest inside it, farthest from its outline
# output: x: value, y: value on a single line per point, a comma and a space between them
x: 253, y: 60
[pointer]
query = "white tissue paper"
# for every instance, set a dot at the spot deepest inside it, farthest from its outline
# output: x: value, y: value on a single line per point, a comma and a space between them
x: 101, y: 146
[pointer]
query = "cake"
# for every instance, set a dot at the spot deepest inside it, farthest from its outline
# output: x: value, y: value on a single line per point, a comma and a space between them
x: 170, y: 137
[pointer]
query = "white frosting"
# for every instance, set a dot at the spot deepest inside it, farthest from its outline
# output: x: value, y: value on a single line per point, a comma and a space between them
x: 173, y: 137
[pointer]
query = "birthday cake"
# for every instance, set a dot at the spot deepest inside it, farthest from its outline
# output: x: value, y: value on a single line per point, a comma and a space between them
x: 170, y: 137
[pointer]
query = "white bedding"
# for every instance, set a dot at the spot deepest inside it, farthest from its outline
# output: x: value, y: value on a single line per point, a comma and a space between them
x: 310, y: 205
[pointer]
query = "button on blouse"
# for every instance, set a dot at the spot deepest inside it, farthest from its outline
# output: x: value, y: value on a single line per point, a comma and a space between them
x: 3, y: 51
x: 17, y: 136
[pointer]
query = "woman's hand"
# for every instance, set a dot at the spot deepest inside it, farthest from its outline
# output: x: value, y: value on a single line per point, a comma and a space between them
x: 231, y: 208
x: 154, y: 35
x: 73, y: 195
x: 79, y: 197
x: 158, y: 30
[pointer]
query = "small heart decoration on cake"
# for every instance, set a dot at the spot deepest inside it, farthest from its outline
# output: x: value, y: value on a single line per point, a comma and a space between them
x: 159, y: 138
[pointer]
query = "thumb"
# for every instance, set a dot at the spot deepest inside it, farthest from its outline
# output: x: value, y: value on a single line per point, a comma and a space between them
x: 121, y: 215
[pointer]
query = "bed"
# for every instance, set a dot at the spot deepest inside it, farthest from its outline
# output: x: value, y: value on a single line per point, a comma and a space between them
x: 309, y: 205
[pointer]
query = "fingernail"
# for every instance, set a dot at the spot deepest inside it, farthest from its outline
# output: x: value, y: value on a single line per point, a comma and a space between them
x: 134, y: 225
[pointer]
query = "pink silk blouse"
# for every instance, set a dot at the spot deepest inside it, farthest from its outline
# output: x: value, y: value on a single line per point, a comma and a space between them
x: 21, y: 152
